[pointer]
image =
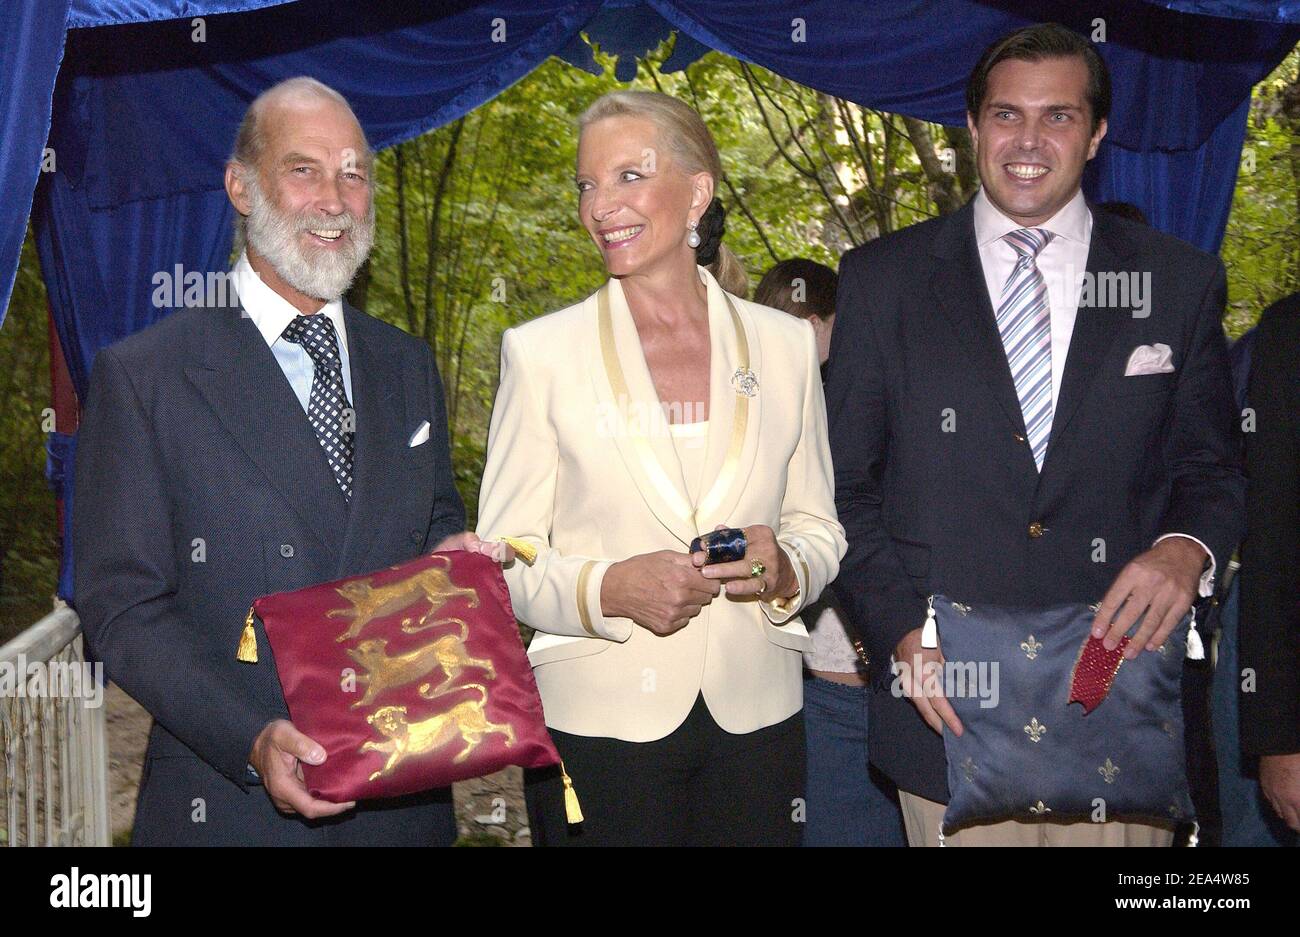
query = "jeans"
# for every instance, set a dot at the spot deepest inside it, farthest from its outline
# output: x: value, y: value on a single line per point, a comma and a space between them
x: 1248, y: 820
x: 849, y: 803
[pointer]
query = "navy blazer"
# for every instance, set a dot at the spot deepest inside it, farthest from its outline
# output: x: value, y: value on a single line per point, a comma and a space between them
x: 1270, y: 556
x: 935, y: 483
x: 201, y: 486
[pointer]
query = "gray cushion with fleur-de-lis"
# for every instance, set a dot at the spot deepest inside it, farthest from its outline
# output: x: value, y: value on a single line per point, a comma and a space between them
x: 1026, y: 753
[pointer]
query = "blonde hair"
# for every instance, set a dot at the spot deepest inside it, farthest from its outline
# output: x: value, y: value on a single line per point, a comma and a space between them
x: 691, y: 146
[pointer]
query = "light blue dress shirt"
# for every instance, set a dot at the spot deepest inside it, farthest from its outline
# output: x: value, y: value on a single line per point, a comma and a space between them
x: 272, y: 313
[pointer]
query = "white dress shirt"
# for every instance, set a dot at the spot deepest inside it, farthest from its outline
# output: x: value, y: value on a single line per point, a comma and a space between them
x: 1062, y: 263
x: 272, y: 313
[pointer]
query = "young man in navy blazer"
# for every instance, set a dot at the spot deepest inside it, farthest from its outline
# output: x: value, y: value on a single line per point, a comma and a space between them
x: 1007, y: 429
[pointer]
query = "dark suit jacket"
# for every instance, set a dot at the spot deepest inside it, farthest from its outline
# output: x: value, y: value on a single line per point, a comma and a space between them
x: 935, y: 484
x: 201, y: 486
x: 1270, y: 565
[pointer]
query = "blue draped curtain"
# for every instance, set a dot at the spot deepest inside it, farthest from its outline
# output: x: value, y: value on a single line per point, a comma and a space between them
x: 142, y: 116
x: 31, y: 49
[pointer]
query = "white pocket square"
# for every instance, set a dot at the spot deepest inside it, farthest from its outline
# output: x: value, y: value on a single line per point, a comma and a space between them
x: 1150, y: 359
x: 420, y: 436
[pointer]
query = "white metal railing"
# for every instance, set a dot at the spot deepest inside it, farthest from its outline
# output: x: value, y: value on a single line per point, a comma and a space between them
x: 54, y: 790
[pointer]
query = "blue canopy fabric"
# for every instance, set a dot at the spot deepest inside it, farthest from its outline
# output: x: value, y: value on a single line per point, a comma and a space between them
x: 30, y: 52
x: 141, y: 117
x: 89, y: 13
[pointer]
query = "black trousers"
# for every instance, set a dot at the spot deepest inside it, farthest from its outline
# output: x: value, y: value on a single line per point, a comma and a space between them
x: 698, y: 786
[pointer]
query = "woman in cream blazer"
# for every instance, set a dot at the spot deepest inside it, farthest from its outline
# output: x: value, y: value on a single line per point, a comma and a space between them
x: 677, y: 720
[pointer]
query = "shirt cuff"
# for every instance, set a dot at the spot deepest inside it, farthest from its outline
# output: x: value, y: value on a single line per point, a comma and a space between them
x: 779, y: 611
x: 1207, y: 577
x: 593, y: 620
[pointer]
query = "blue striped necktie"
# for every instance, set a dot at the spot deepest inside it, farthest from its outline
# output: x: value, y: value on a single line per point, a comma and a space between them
x: 1025, y: 324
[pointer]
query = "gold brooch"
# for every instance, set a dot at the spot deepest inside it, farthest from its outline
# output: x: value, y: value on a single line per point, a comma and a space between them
x: 1031, y: 647
x: 1108, y: 771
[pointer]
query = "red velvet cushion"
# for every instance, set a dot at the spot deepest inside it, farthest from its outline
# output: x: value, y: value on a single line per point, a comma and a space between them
x: 411, y: 677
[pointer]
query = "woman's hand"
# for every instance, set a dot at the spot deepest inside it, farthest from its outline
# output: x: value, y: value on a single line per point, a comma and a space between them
x: 470, y: 542
x: 778, y: 580
x: 660, y: 591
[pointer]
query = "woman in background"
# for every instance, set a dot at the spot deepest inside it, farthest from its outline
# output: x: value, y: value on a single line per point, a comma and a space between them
x: 849, y: 804
x: 661, y: 407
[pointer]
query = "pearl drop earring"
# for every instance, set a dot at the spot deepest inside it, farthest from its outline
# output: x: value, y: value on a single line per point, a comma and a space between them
x: 693, y: 239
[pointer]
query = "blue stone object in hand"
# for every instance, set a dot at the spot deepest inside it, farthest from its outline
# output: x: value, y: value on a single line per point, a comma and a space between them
x: 721, y: 546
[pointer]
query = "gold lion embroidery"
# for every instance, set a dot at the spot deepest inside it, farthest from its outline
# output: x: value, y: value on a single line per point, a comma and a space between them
x: 446, y: 654
x: 432, y: 585
x: 466, y: 721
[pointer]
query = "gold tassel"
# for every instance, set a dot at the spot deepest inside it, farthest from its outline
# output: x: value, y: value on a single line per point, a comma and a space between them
x: 523, y: 549
x: 572, y: 811
x: 248, y: 641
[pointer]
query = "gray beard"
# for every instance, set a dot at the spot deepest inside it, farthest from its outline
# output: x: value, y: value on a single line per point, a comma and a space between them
x: 323, y: 274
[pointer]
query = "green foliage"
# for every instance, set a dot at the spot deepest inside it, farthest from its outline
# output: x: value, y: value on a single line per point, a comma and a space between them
x: 29, y: 543
x: 1261, y: 248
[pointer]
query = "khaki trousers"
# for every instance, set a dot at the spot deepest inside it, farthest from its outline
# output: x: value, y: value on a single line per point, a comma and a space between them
x: 921, y: 819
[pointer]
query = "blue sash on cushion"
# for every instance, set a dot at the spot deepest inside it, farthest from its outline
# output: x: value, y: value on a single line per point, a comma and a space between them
x: 1026, y: 753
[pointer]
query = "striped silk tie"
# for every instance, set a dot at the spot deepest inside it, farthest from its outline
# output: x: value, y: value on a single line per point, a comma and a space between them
x: 1026, y: 329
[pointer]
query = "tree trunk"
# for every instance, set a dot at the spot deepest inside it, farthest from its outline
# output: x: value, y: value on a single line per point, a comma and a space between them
x: 942, y: 182
x: 432, y: 242
x: 404, y: 239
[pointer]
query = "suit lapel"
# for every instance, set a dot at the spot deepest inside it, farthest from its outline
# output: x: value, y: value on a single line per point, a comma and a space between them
x: 961, y: 293
x: 632, y: 414
x: 1095, y: 329
x: 376, y: 383
x: 243, y: 384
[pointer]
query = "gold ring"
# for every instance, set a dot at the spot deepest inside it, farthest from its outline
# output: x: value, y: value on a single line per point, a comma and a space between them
x: 756, y: 568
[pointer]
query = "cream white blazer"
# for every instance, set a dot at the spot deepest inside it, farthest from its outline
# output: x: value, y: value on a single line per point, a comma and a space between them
x: 580, y: 463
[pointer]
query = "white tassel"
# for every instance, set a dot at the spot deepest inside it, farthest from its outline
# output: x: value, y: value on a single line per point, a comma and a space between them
x: 1195, y: 649
x: 930, y: 630
x: 942, y: 842
x: 1194, y: 839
